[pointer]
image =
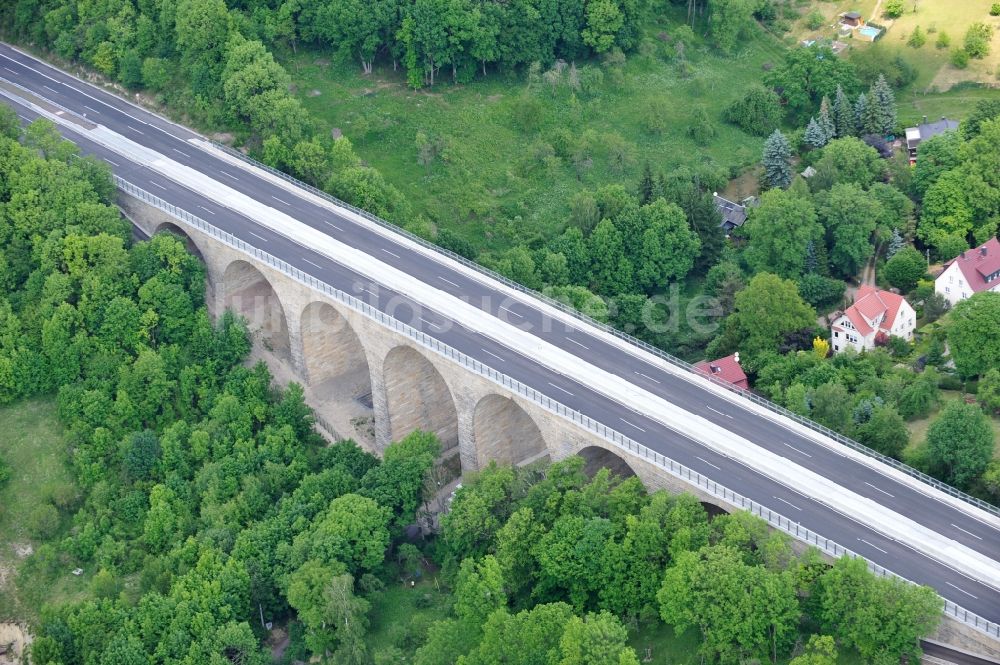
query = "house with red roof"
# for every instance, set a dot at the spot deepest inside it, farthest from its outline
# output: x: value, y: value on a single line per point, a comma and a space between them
x: 972, y: 271
x: 728, y: 369
x: 875, y: 316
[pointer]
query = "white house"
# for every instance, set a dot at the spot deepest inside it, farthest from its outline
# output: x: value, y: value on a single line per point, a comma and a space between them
x: 872, y: 319
x: 972, y: 271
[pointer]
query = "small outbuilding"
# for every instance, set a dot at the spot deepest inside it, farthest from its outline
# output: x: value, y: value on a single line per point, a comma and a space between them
x: 852, y: 19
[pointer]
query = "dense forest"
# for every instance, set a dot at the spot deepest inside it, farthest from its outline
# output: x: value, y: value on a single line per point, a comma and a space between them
x: 204, y: 501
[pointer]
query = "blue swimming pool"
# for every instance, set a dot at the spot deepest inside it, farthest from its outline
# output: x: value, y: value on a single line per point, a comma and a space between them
x: 869, y: 32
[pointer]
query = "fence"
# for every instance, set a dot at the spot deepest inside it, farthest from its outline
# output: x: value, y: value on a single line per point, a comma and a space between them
x: 774, y: 519
x: 649, y: 348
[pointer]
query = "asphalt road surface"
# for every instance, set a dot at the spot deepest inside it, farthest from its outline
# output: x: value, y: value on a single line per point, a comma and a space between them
x: 172, y: 141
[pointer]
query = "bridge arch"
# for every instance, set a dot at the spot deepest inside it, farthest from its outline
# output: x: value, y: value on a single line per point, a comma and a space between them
x: 189, y: 243
x: 417, y: 397
x: 598, y: 458
x: 332, y: 354
x: 505, y: 432
x: 248, y: 293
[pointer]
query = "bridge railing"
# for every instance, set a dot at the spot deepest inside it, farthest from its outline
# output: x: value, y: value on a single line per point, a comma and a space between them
x: 635, y: 341
x: 616, y: 438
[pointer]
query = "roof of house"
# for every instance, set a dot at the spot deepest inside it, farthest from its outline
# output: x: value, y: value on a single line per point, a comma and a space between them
x: 928, y: 129
x: 852, y: 15
x: 733, y: 214
x: 978, y: 264
x: 728, y: 369
x: 869, y: 304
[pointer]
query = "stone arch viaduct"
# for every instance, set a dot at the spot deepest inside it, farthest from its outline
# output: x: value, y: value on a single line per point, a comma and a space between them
x: 329, y: 346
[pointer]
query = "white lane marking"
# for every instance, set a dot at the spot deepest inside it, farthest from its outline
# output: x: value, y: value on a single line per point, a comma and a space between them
x: 962, y: 590
x: 333, y: 225
x: 870, y: 545
x: 10, y: 70
x: 50, y: 88
x: 136, y: 130
x: 570, y: 339
x: 23, y: 118
x: 508, y: 309
x: 560, y: 388
x: 647, y: 376
x: 91, y: 109
x: 181, y: 152
x: 632, y: 424
x: 257, y: 236
x: 718, y: 412
x: 879, y: 489
x: 311, y: 263
x: 389, y: 253
x: 436, y: 325
x: 444, y: 279
x: 210, y: 212
x: 367, y: 290
x: 789, y: 503
x: 280, y: 201
x: 153, y: 182
x: 111, y: 161
x: 801, y: 452
x: 228, y: 174
x: 28, y: 67
x: 708, y: 463
x: 968, y: 532
x: 494, y: 355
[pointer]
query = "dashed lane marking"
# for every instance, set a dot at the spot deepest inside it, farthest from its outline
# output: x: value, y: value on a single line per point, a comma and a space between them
x: 875, y: 546
x: 445, y: 279
x: 968, y: 532
x: 570, y: 339
x: 708, y: 463
x: 788, y: 503
x: 494, y: 355
x: 257, y: 236
x: 632, y: 424
x: 879, y: 489
x: 560, y: 388
x: 646, y: 376
x: 801, y: 452
x: 389, y: 253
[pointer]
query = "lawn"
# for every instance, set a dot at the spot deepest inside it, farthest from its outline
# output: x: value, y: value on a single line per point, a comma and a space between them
x: 918, y: 428
x: 34, y: 447
x: 400, y: 616
x: 668, y: 648
x: 490, y: 168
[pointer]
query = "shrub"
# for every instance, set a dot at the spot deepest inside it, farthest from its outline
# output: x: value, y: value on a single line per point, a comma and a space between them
x: 977, y: 40
x: 815, y: 20
x: 943, y: 40
x: 43, y: 521
x: 4, y: 472
x: 758, y: 112
x: 917, y: 39
x: 894, y: 8
x: 995, y: 9
x: 960, y: 58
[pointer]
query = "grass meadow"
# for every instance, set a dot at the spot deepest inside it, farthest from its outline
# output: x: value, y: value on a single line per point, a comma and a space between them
x: 491, y: 167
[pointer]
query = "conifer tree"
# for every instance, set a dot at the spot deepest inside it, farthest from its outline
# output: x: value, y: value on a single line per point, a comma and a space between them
x: 860, y: 113
x: 777, y: 153
x: 843, y: 114
x: 815, y: 135
x: 825, y: 120
x: 881, y: 108
x: 646, y: 185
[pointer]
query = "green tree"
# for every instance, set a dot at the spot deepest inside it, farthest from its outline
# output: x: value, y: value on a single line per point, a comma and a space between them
x: 831, y: 405
x: 479, y: 590
x: 776, y: 160
x: 973, y: 348
x: 779, y: 231
x: 809, y: 74
x: 815, y: 136
x: 960, y: 443
x: 730, y: 19
x: 885, y: 432
x: 611, y: 271
x: 847, y: 160
x: 881, y: 112
x: 595, y: 639
x: 843, y: 114
x: 669, y: 246
x: 766, y: 310
x: 757, y: 112
x: 820, y: 650
x: 604, y: 21
x: 530, y: 637
x: 988, y: 393
x: 741, y: 610
x: 353, y: 531
x: 905, y: 268
x: 849, y: 215
x: 917, y: 38
x: 894, y: 8
x: 977, y: 39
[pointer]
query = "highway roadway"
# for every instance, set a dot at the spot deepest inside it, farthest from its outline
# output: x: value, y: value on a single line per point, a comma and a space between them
x: 175, y: 142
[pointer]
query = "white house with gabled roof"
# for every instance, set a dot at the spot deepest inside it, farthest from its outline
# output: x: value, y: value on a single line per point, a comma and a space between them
x: 871, y: 320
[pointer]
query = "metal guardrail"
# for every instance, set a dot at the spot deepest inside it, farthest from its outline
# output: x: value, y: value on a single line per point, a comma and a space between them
x: 645, y: 346
x: 619, y: 440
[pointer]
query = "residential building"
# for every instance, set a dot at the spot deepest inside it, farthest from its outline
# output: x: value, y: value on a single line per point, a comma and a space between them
x: 916, y: 135
x: 871, y: 320
x: 734, y: 215
x: 972, y: 271
x: 728, y: 369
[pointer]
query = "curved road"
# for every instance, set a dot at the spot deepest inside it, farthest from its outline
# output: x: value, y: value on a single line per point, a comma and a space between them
x: 173, y: 142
